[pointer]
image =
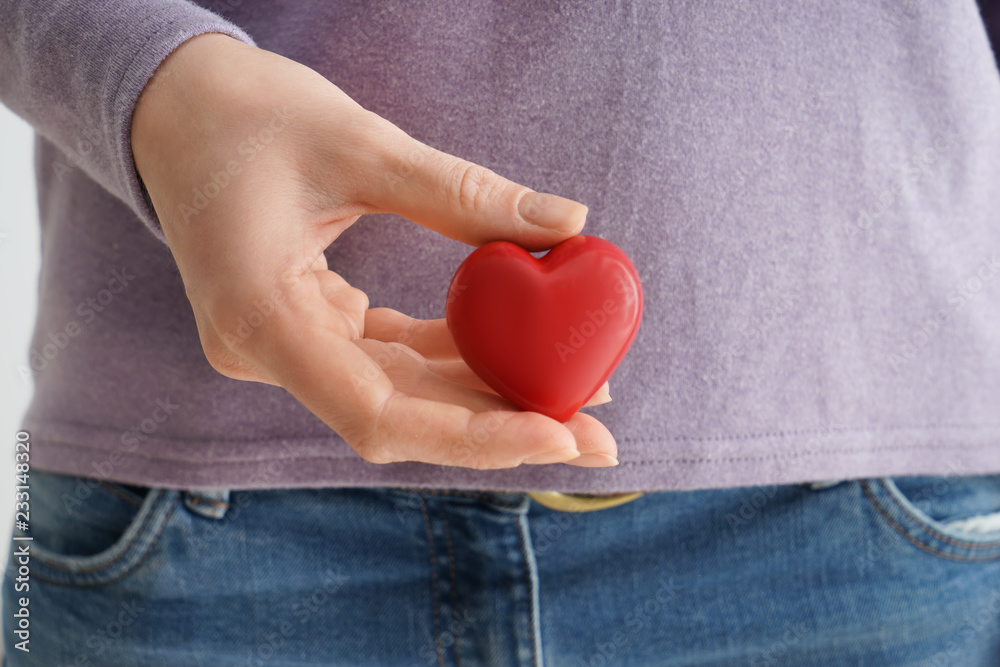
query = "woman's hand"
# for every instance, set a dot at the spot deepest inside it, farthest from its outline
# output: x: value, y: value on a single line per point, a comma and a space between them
x: 255, y: 164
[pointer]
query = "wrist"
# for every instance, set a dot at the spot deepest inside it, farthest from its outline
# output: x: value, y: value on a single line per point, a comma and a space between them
x: 172, y: 93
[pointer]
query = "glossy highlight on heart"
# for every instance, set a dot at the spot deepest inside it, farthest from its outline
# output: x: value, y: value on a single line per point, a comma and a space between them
x: 545, y: 333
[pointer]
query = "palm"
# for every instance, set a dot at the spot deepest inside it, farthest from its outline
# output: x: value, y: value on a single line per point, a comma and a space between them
x: 268, y: 308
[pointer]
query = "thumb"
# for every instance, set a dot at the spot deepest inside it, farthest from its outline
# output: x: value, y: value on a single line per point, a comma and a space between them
x: 467, y: 202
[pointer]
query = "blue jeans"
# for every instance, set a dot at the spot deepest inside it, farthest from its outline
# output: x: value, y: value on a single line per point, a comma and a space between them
x: 882, y: 572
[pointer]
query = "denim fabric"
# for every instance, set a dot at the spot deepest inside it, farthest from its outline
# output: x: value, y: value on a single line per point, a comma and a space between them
x: 861, y: 572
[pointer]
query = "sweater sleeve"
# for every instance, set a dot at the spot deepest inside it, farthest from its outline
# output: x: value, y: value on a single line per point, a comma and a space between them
x: 74, y: 69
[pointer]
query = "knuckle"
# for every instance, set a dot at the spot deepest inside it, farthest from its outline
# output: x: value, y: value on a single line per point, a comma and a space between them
x: 372, y: 443
x: 481, y: 462
x: 397, y: 350
x: 360, y: 299
x: 375, y: 450
x: 344, y: 295
x: 224, y: 361
x: 219, y: 349
x: 470, y: 454
x: 475, y: 187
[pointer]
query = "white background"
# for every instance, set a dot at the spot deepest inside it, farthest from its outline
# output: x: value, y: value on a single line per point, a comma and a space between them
x: 19, y: 257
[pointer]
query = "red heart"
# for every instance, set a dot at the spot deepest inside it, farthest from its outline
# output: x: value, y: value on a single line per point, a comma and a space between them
x: 545, y: 333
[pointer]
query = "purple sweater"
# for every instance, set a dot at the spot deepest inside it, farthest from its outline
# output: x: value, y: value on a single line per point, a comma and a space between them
x: 809, y: 192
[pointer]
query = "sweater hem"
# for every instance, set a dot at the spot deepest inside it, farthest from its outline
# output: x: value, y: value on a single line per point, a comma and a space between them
x: 646, y: 465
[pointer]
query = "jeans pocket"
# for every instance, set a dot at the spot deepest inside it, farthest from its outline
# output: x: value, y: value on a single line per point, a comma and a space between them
x: 954, y: 517
x: 88, y: 532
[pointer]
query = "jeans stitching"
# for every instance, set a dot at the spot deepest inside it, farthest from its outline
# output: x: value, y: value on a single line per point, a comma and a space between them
x: 122, y: 575
x: 434, y: 586
x: 454, y: 591
x: 124, y: 551
x: 931, y: 550
x: 880, y: 428
x: 121, y: 494
x: 940, y: 536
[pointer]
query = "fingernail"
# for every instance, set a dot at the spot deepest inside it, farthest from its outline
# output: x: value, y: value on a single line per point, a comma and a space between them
x: 545, y: 210
x: 556, y: 456
x: 594, y: 461
x: 602, y: 396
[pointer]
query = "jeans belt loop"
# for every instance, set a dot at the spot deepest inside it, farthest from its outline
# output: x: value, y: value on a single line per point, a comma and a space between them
x: 581, y: 502
x: 210, y: 503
